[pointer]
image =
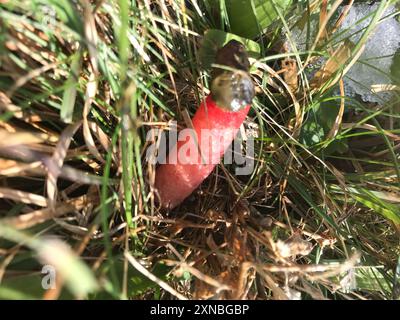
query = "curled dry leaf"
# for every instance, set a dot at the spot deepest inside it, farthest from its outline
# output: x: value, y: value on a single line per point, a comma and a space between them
x: 8, y: 140
x: 337, y: 60
x: 91, y: 33
x: 24, y: 197
x: 298, y: 111
x: 100, y: 135
x: 384, y: 87
x: 12, y: 168
x: 33, y: 218
x: 7, y: 106
x: 91, y: 89
x: 55, y: 163
x: 338, y: 121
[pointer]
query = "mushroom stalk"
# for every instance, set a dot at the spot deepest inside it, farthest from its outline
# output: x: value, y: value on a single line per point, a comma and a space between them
x: 215, y: 125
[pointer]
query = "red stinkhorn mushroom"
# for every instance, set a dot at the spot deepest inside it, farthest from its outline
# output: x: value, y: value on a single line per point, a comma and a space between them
x: 221, y: 115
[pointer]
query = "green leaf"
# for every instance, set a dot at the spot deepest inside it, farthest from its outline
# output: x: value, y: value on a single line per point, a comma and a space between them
x: 137, y: 283
x: 26, y: 287
x: 312, y: 131
x: 372, y: 200
x: 214, y: 39
x: 67, y: 13
x: 320, y: 120
x: 371, y: 279
x: 248, y: 18
x: 13, y: 289
x: 77, y: 275
x: 395, y: 68
x: 69, y: 97
x: 364, y: 278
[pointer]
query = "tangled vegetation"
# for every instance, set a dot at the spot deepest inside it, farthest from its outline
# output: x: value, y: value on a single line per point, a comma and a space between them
x: 83, y: 82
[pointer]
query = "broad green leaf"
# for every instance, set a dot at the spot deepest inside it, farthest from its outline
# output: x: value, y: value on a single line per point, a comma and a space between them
x: 312, y: 131
x: 319, y: 122
x: 248, y: 18
x: 214, y: 39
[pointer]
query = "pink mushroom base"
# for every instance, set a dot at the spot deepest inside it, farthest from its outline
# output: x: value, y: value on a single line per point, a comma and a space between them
x: 184, y: 169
